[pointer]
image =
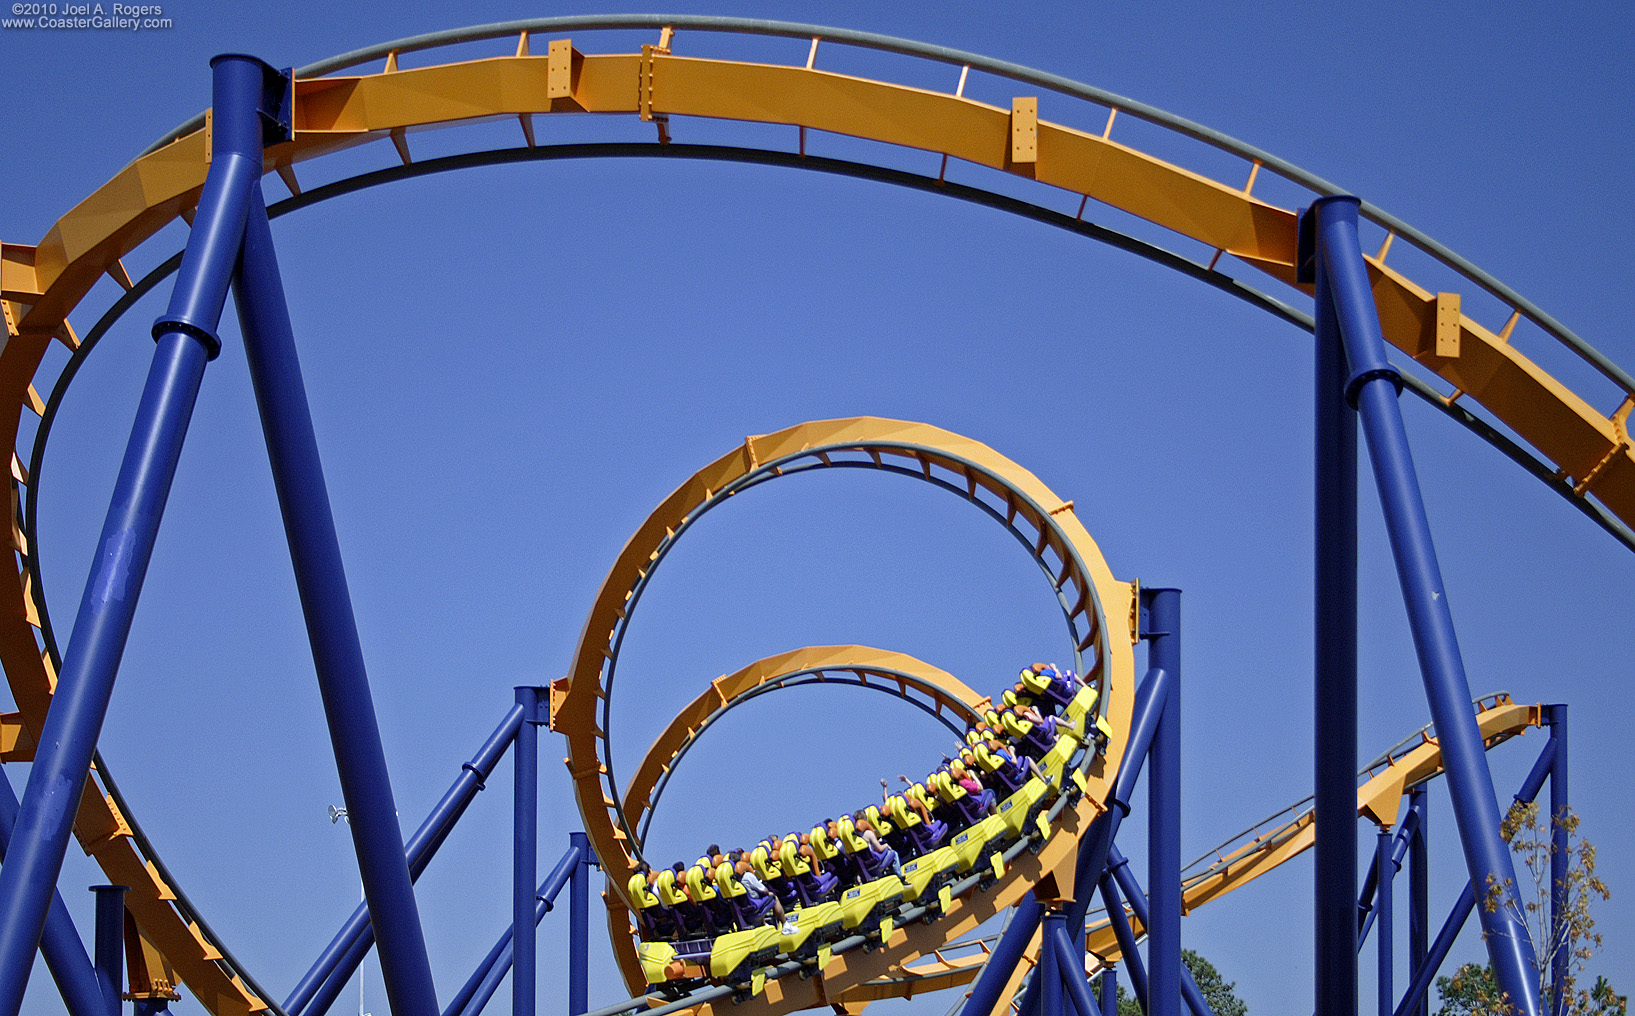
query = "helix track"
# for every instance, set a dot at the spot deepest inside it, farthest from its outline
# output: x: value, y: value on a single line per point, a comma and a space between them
x: 1585, y: 452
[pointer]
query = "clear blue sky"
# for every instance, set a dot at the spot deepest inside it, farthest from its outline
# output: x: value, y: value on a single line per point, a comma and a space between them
x: 510, y: 367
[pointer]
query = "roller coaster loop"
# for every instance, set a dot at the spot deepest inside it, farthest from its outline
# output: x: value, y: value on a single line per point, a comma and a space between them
x: 890, y: 902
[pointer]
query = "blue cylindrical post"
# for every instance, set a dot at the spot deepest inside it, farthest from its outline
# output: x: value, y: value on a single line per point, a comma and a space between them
x: 1373, y: 388
x: 1109, y: 990
x: 1438, y: 952
x: 525, y: 856
x: 110, y: 943
x: 1126, y: 937
x: 1049, y: 971
x: 1013, y: 942
x: 1335, y: 674
x: 1385, y: 870
x: 1070, y: 963
x: 1561, y: 954
x: 1163, y: 635
x: 186, y: 341
x: 1419, y: 887
x: 1119, y: 867
x: 1425, y: 970
x: 332, y: 630
x: 324, y: 982
x: 60, y: 944
x: 1399, y: 848
x: 498, y: 960
x: 579, y: 927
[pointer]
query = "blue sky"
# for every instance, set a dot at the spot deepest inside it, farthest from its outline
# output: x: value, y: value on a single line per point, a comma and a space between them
x: 510, y: 367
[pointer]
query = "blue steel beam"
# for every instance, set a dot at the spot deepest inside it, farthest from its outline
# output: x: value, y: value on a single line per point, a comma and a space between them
x: 1070, y: 965
x: 1414, y: 999
x: 1385, y: 867
x: 110, y: 943
x: 320, y: 578
x: 997, y: 971
x: 64, y: 953
x: 525, y: 855
x: 1335, y: 672
x: 1399, y: 848
x: 485, y: 980
x: 1560, y: 952
x: 1126, y: 938
x: 326, y: 979
x: 186, y: 342
x: 1419, y: 887
x: 1049, y: 972
x: 1162, y: 630
x: 579, y: 926
x: 1108, y: 989
x: 1373, y: 388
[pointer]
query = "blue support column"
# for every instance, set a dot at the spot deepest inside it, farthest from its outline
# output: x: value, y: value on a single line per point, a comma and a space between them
x: 485, y: 980
x: 1126, y: 938
x: 1560, y: 955
x: 525, y: 856
x: 110, y: 943
x: 1109, y: 991
x: 1119, y: 868
x: 1049, y: 972
x: 186, y: 341
x: 1162, y: 629
x: 335, y: 966
x: 1070, y: 964
x: 1423, y: 972
x: 579, y: 927
x: 1384, y: 871
x: 997, y: 971
x: 326, y: 602
x: 60, y: 944
x: 1335, y: 674
x: 1419, y: 887
x: 1399, y: 848
x: 1373, y: 388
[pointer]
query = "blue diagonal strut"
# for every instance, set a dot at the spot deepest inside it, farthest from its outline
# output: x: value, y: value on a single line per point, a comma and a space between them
x: 186, y: 342
x: 1373, y: 390
x: 326, y: 602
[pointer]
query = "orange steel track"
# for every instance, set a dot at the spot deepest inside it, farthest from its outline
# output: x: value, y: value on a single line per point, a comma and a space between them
x: 41, y: 284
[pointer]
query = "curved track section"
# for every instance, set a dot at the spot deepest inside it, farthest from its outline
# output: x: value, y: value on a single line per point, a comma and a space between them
x: 1095, y: 607
x: 1589, y: 449
x: 1230, y: 866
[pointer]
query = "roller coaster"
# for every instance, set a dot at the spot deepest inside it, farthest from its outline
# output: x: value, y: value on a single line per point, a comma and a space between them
x: 982, y: 873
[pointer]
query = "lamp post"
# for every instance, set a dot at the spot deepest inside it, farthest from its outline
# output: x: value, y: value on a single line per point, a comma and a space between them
x: 335, y: 815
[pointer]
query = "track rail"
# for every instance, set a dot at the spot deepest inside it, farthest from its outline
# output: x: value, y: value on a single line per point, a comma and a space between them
x: 41, y: 284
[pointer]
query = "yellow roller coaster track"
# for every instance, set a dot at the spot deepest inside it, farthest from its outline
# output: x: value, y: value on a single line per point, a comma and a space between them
x: 42, y: 284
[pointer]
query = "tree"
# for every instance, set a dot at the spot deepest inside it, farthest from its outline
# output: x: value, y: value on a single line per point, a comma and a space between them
x: 1472, y: 990
x: 1214, y: 988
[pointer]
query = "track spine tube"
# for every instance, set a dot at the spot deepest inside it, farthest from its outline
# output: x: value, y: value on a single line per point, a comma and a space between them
x: 334, y: 967
x: 1335, y: 668
x: 1470, y: 781
x: 1162, y: 630
x: 525, y: 856
x: 108, y: 605
x: 1385, y: 869
x: 579, y: 926
x: 1419, y: 887
x: 1560, y: 953
x: 64, y: 953
x: 320, y: 578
